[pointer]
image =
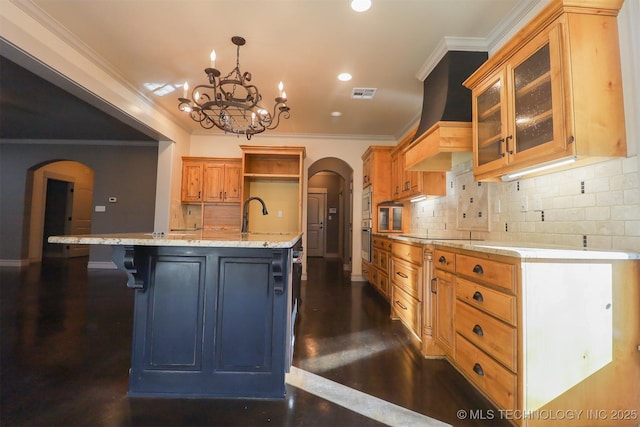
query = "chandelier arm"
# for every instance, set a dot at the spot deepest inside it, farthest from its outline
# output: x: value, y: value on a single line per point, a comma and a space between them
x: 283, y: 111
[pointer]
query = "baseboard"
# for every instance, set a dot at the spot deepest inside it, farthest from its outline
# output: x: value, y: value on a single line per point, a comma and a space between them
x: 105, y: 265
x: 358, y: 278
x: 19, y: 263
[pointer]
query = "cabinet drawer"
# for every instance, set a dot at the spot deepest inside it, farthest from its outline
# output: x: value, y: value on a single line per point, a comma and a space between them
x: 444, y: 260
x: 493, y: 272
x: 487, y: 374
x: 366, y: 271
x: 408, y: 252
x: 491, y: 335
x: 383, y: 261
x: 408, y: 309
x: 379, y: 242
x: 408, y: 277
x: 496, y: 303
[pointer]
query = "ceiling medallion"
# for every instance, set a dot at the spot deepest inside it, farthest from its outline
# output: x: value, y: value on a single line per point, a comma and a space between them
x: 230, y: 103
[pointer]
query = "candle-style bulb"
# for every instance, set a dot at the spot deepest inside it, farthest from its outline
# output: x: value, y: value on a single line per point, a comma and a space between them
x: 280, y: 89
x: 283, y: 95
x: 185, y: 88
x: 213, y: 58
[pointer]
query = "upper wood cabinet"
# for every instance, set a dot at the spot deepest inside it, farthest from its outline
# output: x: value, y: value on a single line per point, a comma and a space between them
x: 407, y: 184
x: 553, y: 92
x: 211, y: 180
x: 275, y: 174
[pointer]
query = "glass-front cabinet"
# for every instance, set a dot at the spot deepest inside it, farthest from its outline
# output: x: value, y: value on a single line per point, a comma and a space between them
x: 390, y: 218
x: 553, y: 93
x: 519, y: 109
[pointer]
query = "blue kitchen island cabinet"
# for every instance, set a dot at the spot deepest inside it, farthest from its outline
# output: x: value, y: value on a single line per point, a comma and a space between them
x: 213, y: 317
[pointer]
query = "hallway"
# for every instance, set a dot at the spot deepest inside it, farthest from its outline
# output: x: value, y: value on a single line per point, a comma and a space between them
x: 65, y: 354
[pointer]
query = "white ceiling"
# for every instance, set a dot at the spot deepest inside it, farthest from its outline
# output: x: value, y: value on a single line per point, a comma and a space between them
x: 305, y: 43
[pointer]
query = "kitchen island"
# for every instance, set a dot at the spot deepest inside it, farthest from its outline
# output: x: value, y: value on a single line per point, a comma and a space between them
x: 214, y: 310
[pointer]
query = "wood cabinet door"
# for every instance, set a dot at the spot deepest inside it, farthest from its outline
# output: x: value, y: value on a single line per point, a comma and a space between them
x: 213, y: 182
x: 489, y: 124
x: 396, y: 176
x: 444, y: 315
x: 536, y: 107
x: 192, y: 184
x: 232, y: 183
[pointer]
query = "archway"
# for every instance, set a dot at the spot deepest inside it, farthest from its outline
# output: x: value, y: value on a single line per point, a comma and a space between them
x: 339, y: 206
x: 75, y: 178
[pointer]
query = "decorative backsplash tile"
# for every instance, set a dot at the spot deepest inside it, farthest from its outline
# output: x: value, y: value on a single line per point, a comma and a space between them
x: 473, y: 203
x: 596, y: 205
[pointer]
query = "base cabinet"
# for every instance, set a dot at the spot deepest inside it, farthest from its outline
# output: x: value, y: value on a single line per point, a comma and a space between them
x: 211, y: 322
x: 543, y: 336
x: 407, y: 285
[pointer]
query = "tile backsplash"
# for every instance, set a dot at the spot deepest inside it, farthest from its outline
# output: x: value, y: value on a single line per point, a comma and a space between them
x: 595, y: 206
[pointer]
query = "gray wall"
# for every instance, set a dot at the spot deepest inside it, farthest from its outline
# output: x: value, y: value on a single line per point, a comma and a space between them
x: 127, y: 172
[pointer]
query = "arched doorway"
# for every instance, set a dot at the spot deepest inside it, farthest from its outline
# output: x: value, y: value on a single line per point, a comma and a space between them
x: 61, y: 200
x: 330, y: 200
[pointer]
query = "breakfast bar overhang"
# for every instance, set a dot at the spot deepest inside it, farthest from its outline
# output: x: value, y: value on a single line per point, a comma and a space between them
x: 214, y: 310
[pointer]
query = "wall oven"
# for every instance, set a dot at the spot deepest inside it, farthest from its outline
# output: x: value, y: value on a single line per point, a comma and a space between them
x: 367, y: 203
x: 366, y: 240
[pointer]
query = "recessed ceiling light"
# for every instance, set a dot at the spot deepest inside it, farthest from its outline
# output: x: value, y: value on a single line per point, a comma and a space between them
x: 336, y: 114
x: 360, y: 5
x: 344, y: 77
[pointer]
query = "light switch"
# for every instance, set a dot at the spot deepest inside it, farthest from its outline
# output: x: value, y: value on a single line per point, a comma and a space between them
x: 101, y: 208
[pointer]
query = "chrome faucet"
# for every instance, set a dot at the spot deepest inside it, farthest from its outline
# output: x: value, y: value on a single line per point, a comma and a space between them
x: 245, y: 212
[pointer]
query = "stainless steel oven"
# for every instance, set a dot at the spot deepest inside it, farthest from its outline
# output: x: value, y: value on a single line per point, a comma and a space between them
x: 367, y: 203
x: 366, y: 240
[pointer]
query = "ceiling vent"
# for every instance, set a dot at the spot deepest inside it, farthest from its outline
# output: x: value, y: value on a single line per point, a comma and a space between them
x: 363, y: 92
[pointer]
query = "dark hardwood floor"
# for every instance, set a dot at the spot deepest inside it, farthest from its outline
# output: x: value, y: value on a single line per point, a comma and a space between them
x: 66, y: 343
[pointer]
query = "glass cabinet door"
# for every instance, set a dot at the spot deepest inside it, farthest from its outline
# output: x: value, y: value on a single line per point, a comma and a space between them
x: 537, y: 105
x: 396, y: 219
x: 490, y: 124
x: 383, y: 219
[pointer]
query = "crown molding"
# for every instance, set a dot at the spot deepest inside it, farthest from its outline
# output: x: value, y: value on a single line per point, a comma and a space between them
x: 477, y: 44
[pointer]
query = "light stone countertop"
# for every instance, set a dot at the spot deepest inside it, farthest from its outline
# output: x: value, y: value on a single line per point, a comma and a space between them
x: 196, y: 238
x: 522, y: 250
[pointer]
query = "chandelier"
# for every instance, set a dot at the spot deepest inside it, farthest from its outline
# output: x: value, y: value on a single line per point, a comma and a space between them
x: 231, y: 103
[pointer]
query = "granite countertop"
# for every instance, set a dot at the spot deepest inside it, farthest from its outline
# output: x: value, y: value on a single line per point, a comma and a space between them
x: 523, y: 250
x: 199, y: 238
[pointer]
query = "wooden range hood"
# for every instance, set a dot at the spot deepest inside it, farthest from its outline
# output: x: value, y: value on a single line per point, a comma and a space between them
x: 433, y: 150
x: 445, y: 123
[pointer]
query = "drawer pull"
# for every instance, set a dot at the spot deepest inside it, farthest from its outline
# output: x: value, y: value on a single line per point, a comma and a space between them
x: 477, y: 329
x: 401, y: 274
x: 442, y: 259
x: 434, y: 284
x: 478, y: 269
x: 478, y: 369
x: 400, y: 304
x: 478, y: 296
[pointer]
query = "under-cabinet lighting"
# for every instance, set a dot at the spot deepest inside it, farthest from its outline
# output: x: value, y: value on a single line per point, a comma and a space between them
x: 418, y: 199
x: 547, y: 166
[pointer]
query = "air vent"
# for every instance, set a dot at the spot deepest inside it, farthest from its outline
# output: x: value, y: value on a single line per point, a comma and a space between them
x: 363, y: 92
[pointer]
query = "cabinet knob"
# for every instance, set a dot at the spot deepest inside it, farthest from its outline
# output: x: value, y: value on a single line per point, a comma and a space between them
x: 477, y: 329
x: 478, y: 269
x: 478, y: 296
x: 442, y: 259
x: 478, y: 369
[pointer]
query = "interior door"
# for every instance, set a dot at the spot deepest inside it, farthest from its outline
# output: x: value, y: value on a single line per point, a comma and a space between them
x: 316, y: 212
